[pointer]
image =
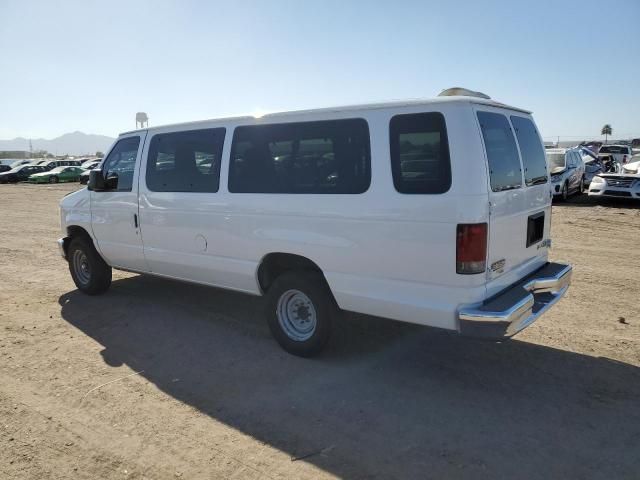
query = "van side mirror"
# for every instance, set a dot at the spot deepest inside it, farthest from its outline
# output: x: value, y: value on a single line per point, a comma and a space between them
x: 96, y: 182
x: 111, y: 182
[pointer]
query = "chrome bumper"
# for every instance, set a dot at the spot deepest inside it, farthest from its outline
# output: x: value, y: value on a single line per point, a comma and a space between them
x: 517, y: 307
x: 61, y: 242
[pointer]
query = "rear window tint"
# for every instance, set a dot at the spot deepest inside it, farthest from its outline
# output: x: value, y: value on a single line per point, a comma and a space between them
x: 420, y: 160
x: 186, y: 161
x: 531, y: 149
x: 502, y: 154
x: 308, y: 157
x: 613, y: 149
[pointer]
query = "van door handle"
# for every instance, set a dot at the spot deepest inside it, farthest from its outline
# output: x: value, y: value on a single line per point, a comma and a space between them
x: 135, y: 220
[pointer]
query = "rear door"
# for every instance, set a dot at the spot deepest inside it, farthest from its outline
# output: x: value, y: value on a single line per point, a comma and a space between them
x: 179, y: 205
x: 519, y: 192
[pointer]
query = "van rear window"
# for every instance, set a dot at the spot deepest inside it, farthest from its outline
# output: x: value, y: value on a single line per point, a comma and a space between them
x: 504, y: 163
x: 532, y: 151
x: 331, y: 156
x: 420, y: 160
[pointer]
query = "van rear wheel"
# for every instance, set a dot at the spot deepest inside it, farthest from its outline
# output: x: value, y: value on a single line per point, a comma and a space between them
x: 300, y: 312
x: 89, y: 271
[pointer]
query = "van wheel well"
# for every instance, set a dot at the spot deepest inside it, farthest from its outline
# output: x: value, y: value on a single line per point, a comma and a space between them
x: 74, y: 231
x: 275, y: 264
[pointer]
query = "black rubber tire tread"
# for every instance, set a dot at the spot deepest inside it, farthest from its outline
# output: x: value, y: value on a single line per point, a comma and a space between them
x: 100, y: 278
x: 315, y: 287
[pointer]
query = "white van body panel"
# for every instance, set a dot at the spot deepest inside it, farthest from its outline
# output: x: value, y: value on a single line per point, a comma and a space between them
x: 509, y: 212
x: 382, y: 252
x: 112, y: 220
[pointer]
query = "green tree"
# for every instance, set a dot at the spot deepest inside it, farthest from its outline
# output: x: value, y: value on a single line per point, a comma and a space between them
x: 99, y: 154
x: 606, y: 131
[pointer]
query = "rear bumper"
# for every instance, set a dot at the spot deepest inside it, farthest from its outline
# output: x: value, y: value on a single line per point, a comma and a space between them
x: 518, y: 306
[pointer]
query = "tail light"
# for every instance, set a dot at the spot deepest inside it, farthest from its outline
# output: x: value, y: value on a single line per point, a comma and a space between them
x: 471, y: 248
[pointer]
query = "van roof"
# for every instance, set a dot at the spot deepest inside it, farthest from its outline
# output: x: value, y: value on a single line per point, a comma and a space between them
x: 346, y: 108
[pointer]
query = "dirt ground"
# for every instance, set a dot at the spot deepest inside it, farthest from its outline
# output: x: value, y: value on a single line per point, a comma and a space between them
x: 163, y: 380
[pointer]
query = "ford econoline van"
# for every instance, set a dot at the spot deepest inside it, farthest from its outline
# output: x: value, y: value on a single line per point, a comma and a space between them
x: 435, y: 212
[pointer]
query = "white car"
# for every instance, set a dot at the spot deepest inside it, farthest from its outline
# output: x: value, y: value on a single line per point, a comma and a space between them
x: 567, y: 171
x: 632, y: 167
x: 615, y: 185
x: 620, y: 153
x: 435, y: 212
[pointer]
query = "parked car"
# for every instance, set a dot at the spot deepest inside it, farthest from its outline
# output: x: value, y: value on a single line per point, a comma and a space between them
x: 588, y: 154
x: 632, y: 168
x: 616, y: 185
x: 432, y: 212
x: 20, y: 173
x: 59, y: 163
x: 567, y: 171
x: 84, y: 176
x: 58, y: 174
x: 17, y: 163
x: 591, y: 168
x: 620, y: 153
x: 90, y: 165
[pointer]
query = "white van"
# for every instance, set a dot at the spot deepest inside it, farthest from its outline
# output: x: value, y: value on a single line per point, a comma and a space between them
x: 435, y: 212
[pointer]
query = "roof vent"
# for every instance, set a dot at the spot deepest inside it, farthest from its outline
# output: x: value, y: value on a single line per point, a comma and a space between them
x: 457, y: 92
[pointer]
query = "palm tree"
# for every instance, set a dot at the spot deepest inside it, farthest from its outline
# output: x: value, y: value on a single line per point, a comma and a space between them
x: 606, y: 131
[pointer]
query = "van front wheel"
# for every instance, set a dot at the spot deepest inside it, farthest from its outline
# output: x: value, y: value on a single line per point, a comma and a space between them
x: 89, y: 271
x: 300, y: 312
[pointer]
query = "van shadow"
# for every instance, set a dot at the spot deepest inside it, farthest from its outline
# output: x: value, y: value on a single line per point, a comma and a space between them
x: 387, y: 400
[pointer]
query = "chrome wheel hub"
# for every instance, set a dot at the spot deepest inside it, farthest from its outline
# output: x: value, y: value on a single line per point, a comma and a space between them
x: 81, y: 267
x: 296, y: 315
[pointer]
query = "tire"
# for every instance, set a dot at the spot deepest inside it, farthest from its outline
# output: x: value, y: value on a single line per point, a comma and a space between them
x: 564, y: 194
x: 89, y: 271
x: 300, y: 311
x: 53, y: 179
x: 581, y: 185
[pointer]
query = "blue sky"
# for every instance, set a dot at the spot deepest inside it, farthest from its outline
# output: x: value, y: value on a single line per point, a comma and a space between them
x: 89, y: 66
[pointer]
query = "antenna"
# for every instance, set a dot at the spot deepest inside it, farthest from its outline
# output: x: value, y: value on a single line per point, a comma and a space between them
x: 142, y: 119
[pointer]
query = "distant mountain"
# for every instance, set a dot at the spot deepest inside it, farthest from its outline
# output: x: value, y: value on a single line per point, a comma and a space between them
x: 76, y: 143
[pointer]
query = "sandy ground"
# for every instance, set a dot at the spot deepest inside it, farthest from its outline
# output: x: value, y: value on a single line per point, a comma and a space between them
x: 158, y: 379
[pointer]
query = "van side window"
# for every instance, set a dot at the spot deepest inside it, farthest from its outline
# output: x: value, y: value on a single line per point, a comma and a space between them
x: 502, y: 154
x: 308, y: 157
x: 185, y: 161
x: 420, y: 160
x: 122, y: 161
x: 532, y: 151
